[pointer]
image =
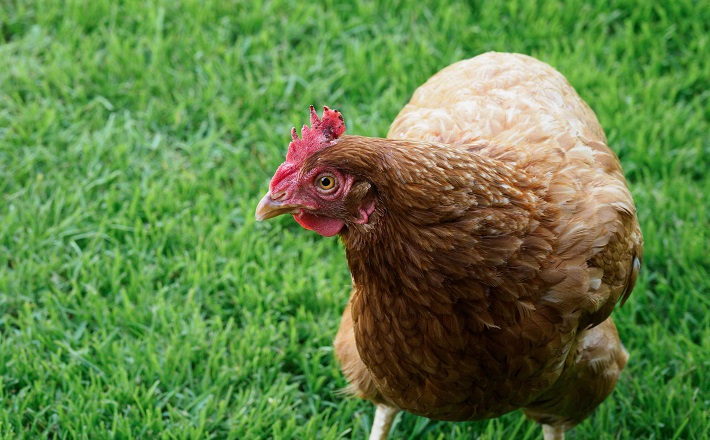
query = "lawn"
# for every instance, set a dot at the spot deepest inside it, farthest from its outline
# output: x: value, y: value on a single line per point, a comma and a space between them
x: 139, y: 298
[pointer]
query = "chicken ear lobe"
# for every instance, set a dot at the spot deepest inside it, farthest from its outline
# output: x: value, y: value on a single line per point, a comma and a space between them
x: 361, y: 202
x: 366, y: 210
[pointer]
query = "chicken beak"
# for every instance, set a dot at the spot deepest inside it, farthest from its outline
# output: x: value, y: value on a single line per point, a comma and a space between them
x: 269, y: 207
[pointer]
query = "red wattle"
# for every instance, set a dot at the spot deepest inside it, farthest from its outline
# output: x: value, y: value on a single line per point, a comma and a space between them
x: 325, y: 226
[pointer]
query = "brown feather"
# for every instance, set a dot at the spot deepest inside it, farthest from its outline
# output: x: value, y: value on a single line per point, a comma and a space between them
x: 503, y: 236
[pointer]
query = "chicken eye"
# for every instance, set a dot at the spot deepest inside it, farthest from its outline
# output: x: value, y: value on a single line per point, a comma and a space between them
x: 326, y: 182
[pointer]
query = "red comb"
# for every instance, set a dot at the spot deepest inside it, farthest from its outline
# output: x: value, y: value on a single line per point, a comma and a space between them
x: 322, y: 132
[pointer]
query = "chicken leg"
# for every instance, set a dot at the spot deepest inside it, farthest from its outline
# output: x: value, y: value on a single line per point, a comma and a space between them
x: 384, y: 416
x: 550, y: 432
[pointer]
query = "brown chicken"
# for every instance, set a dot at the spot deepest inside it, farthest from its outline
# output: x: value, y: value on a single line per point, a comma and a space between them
x: 489, y: 237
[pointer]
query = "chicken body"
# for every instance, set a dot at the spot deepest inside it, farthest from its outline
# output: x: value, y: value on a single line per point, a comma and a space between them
x: 555, y: 253
x: 489, y: 237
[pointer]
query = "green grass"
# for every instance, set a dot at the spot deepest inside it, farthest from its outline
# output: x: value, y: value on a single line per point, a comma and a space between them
x: 139, y: 299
